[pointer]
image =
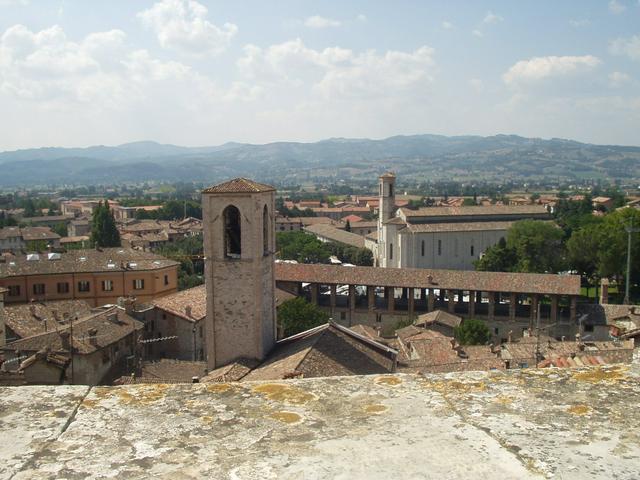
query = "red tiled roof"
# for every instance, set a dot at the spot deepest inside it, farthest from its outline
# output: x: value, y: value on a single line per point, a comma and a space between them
x: 419, y: 278
x: 239, y: 185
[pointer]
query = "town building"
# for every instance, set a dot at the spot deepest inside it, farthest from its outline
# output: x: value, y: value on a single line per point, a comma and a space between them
x: 329, y: 233
x: 17, y: 239
x: 288, y: 224
x: 89, y: 350
x: 441, y: 237
x: 381, y: 297
x: 29, y: 319
x: 97, y: 276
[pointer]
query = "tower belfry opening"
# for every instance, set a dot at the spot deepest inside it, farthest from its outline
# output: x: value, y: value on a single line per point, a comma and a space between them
x: 232, y: 233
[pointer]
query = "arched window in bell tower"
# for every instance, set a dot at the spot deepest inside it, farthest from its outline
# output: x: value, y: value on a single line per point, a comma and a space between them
x: 265, y: 231
x: 232, y: 232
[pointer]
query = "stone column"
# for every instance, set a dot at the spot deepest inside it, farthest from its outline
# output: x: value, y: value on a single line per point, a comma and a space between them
x: 492, y: 306
x: 431, y: 301
x: 452, y: 303
x: 554, y: 308
x: 315, y: 291
x: 410, y: 306
x: 513, y: 300
x: 472, y: 303
x: 390, y: 299
x: 574, y: 307
x: 352, y: 302
x: 371, y: 298
x: 534, y: 307
x: 333, y: 301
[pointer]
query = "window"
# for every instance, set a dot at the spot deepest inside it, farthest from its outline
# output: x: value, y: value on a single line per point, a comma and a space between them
x: 391, y: 251
x: 455, y: 247
x: 439, y: 247
x: 588, y: 328
x: 63, y: 287
x: 166, y: 279
x: 265, y: 231
x: 391, y: 190
x: 422, y: 248
x: 343, y: 315
x: 472, y: 251
x: 201, y: 332
x: 138, y: 284
x: 38, y: 289
x: 84, y: 286
x: 107, y: 285
x: 14, y: 290
x: 496, y: 331
x: 232, y: 232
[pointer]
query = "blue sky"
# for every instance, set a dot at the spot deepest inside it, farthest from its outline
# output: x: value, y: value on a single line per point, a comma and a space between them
x: 81, y: 72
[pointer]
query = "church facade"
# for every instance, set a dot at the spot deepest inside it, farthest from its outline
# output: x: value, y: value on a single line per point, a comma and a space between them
x: 441, y: 237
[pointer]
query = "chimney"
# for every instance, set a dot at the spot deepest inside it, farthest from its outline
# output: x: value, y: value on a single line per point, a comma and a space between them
x: 112, y: 317
x: 129, y: 305
x: 187, y: 311
x: 32, y: 310
x: 604, y: 291
x: 93, y: 332
x: 510, y: 336
x: 429, y: 279
x: 65, y: 338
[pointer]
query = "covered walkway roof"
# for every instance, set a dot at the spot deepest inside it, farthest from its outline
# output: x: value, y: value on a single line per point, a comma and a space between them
x: 530, y: 283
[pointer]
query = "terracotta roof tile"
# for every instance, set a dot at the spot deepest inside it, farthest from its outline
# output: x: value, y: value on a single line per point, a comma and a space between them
x: 419, y: 278
x: 239, y: 185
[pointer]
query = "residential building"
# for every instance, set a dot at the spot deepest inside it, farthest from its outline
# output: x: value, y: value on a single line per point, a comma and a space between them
x: 93, y: 349
x: 97, y: 276
x: 329, y: 233
x: 16, y: 239
x: 79, y: 227
x: 288, y: 224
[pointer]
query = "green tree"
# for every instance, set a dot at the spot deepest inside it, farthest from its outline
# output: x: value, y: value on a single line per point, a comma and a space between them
x: 302, y: 247
x: 297, y: 315
x: 498, y: 258
x: 347, y: 226
x: 612, y: 252
x: 537, y: 246
x: 103, y: 231
x: 29, y: 208
x: 582, y: 251
x: 472, y: 332
x: 60, y: 229
x: 469, y: 202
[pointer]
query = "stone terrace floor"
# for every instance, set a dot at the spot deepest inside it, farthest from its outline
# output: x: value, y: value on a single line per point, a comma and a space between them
x: 565, y: 424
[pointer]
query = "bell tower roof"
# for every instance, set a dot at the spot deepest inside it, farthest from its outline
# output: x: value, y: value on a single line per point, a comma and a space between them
x: 388, y: 175
x: 239, y: 185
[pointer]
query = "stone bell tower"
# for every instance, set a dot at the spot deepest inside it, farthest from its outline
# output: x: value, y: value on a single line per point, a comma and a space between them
x: 239, y: 243
x: 386, y: 210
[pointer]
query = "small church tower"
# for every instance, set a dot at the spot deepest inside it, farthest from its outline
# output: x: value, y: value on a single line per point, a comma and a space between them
x: 386, y: 210
x: 239, y: 244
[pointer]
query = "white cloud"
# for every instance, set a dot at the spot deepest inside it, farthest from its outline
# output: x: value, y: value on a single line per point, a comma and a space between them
x: 48, y: 68
x: 11, y: 3
x: 317, y: 21
x: 618, y: 79
x: 477, y: 33
x: 337, y: 72
x: 579, y: 23
x: 447, y: 25
x: 491, y: 17
x: 616, y: 7
x: 361, y: 17
x: 540, y: 68
x: 182, y: 25
x: 626, y: 46
x: 477, y: 84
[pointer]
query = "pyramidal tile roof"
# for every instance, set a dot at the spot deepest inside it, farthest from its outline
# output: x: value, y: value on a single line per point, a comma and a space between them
x: 239, y: 185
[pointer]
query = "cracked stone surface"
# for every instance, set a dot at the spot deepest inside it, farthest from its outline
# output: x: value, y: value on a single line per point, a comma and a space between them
x: 523, y: 424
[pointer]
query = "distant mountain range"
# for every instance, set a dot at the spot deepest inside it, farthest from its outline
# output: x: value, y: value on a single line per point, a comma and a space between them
x: 418, y: 157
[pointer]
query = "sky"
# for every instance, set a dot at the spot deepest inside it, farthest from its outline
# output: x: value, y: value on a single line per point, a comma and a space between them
x: 198, y: 72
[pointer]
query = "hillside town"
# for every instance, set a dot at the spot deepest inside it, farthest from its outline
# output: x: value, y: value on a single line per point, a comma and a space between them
x: 413, y: 300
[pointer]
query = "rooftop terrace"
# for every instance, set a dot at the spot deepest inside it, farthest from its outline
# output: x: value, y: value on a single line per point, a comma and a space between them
x: 569, y: 424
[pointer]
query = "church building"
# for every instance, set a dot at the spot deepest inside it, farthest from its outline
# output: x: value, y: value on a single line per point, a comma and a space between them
x: 449, y: 238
